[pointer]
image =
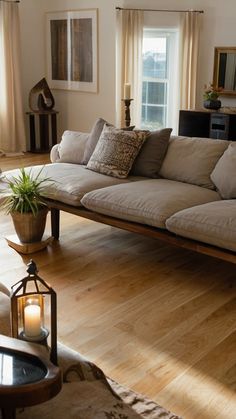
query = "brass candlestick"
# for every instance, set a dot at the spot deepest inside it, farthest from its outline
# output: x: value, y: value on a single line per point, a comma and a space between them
x: 127, y: 103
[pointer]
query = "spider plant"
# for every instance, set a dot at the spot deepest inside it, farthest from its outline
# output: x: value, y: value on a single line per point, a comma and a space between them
x: 26, y: 193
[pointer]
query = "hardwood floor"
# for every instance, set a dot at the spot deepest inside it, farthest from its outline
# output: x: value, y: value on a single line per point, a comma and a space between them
x: 27, y: 159
x: 158, y: 319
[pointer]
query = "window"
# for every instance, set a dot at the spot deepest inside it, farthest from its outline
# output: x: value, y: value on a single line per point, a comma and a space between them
x: 159, y: 80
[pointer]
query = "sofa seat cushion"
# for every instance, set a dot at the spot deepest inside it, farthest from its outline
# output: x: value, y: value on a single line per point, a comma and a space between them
x: 212, y: 223
x: 70, y: 181
x: 149, y: 201
x: 192, y: 160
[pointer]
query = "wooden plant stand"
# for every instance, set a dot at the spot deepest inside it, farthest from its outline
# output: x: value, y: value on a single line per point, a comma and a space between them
x: 27, y: 248
x: 45, y: 140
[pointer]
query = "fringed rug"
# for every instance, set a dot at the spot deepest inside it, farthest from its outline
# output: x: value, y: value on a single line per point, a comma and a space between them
x: 86, y: 392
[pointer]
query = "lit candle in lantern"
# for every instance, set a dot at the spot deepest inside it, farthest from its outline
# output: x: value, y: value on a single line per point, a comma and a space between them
x: 32, y: 314
x: 127, y: 88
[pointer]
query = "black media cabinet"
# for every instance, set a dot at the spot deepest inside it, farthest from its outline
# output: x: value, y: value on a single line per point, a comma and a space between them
x: 208, y: 124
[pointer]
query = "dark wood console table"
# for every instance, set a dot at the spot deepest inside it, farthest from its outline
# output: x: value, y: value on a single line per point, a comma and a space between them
x: 46, y: 119
x: 208, y: 123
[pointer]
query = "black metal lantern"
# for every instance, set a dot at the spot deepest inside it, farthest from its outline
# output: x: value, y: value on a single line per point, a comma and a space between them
x: 34, y: 311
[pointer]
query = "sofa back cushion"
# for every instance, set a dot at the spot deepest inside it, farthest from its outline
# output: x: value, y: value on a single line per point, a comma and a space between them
x: 72, y: 146
x: 224, y: 173
x: 192, y: 160
x: 150, y: 158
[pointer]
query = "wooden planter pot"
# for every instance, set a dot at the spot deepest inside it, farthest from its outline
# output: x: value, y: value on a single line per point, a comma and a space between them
x: 30, y: 228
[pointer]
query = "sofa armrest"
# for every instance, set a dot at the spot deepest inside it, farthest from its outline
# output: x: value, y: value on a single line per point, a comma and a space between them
x: 54, y: 154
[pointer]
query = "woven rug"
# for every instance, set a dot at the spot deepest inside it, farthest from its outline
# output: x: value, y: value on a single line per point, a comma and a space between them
x: 86, y: 392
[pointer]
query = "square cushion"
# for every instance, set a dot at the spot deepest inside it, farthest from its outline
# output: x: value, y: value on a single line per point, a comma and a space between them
x: 224, y: 173
x: 212, y: 223
x: 115, y: 151
x: 72, y: 146
x: 192, y: 160
x: 152, y: 153
x: 94, y: 137
x: 148, y: 201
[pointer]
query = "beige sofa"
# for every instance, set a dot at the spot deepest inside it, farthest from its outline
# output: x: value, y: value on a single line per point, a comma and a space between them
x: 190, y: 202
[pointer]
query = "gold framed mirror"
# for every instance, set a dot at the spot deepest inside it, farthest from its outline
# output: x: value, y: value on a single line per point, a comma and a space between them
x: 225, y: 70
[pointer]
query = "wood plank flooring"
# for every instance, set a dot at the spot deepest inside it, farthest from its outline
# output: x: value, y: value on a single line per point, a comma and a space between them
x: 158, y: 319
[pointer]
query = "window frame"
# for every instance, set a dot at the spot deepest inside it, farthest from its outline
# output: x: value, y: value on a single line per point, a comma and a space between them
x: 171, y: 35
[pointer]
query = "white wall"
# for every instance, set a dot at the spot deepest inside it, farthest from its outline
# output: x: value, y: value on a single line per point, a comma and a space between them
x: 79, y: 110
x: 218, y: 29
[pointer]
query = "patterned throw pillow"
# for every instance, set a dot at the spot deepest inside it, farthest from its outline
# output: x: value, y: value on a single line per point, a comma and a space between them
x: 116, y: 151
x: 94, y: 137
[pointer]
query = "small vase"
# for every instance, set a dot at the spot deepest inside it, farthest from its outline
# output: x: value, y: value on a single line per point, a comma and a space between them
x: 212, y: 104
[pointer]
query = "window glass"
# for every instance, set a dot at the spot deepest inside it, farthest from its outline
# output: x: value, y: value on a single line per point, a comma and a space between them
x: 156, y: 92
x: 159, y: 52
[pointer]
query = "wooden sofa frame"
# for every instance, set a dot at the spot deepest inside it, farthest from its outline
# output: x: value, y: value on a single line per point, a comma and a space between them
x: 154, y: 232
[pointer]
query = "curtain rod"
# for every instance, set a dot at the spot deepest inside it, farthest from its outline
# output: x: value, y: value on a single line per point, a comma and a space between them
x: 10, y: 1
x: 161, y: 10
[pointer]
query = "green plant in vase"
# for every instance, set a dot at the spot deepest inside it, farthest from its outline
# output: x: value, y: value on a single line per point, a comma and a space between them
x: 26, y: 205
x: 211, y: 95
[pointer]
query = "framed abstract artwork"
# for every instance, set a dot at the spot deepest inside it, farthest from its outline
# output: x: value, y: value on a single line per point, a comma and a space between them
x: 72, y: 50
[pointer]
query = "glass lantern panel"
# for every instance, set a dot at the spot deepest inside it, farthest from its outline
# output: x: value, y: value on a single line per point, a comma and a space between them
x: 30, y: 287
x: 47, y: 316
x: 42, y: 287
x: 27, y: 317
x: 34, y: 286
x: 20, y: 313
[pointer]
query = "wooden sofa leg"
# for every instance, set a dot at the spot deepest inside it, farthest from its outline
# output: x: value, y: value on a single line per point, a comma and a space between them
x: 55, y: 223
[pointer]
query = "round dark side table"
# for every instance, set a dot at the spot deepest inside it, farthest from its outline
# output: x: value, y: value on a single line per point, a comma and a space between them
x: 27, y: 377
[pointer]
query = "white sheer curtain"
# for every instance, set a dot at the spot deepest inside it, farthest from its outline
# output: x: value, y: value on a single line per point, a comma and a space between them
x: 129, y: 62
x: 12, y: 132
x: 190, y: 30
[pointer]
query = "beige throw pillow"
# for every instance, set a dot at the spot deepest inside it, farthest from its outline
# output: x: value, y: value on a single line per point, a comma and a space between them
x: 224, y: 173
x: 192, y: 160
x: 115, y: 151
x: 93, y: 139
x: 72, y: 146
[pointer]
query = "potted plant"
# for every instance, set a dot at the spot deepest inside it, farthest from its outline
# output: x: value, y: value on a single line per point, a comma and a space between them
x: 210, y: 96
x: 26, y: 206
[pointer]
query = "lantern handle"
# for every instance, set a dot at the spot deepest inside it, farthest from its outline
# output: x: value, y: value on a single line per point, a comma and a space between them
x: 32, y: 268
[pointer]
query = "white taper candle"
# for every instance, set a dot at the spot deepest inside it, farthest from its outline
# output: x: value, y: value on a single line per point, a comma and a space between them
x: 32, y: 314
x: 127, y: 88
